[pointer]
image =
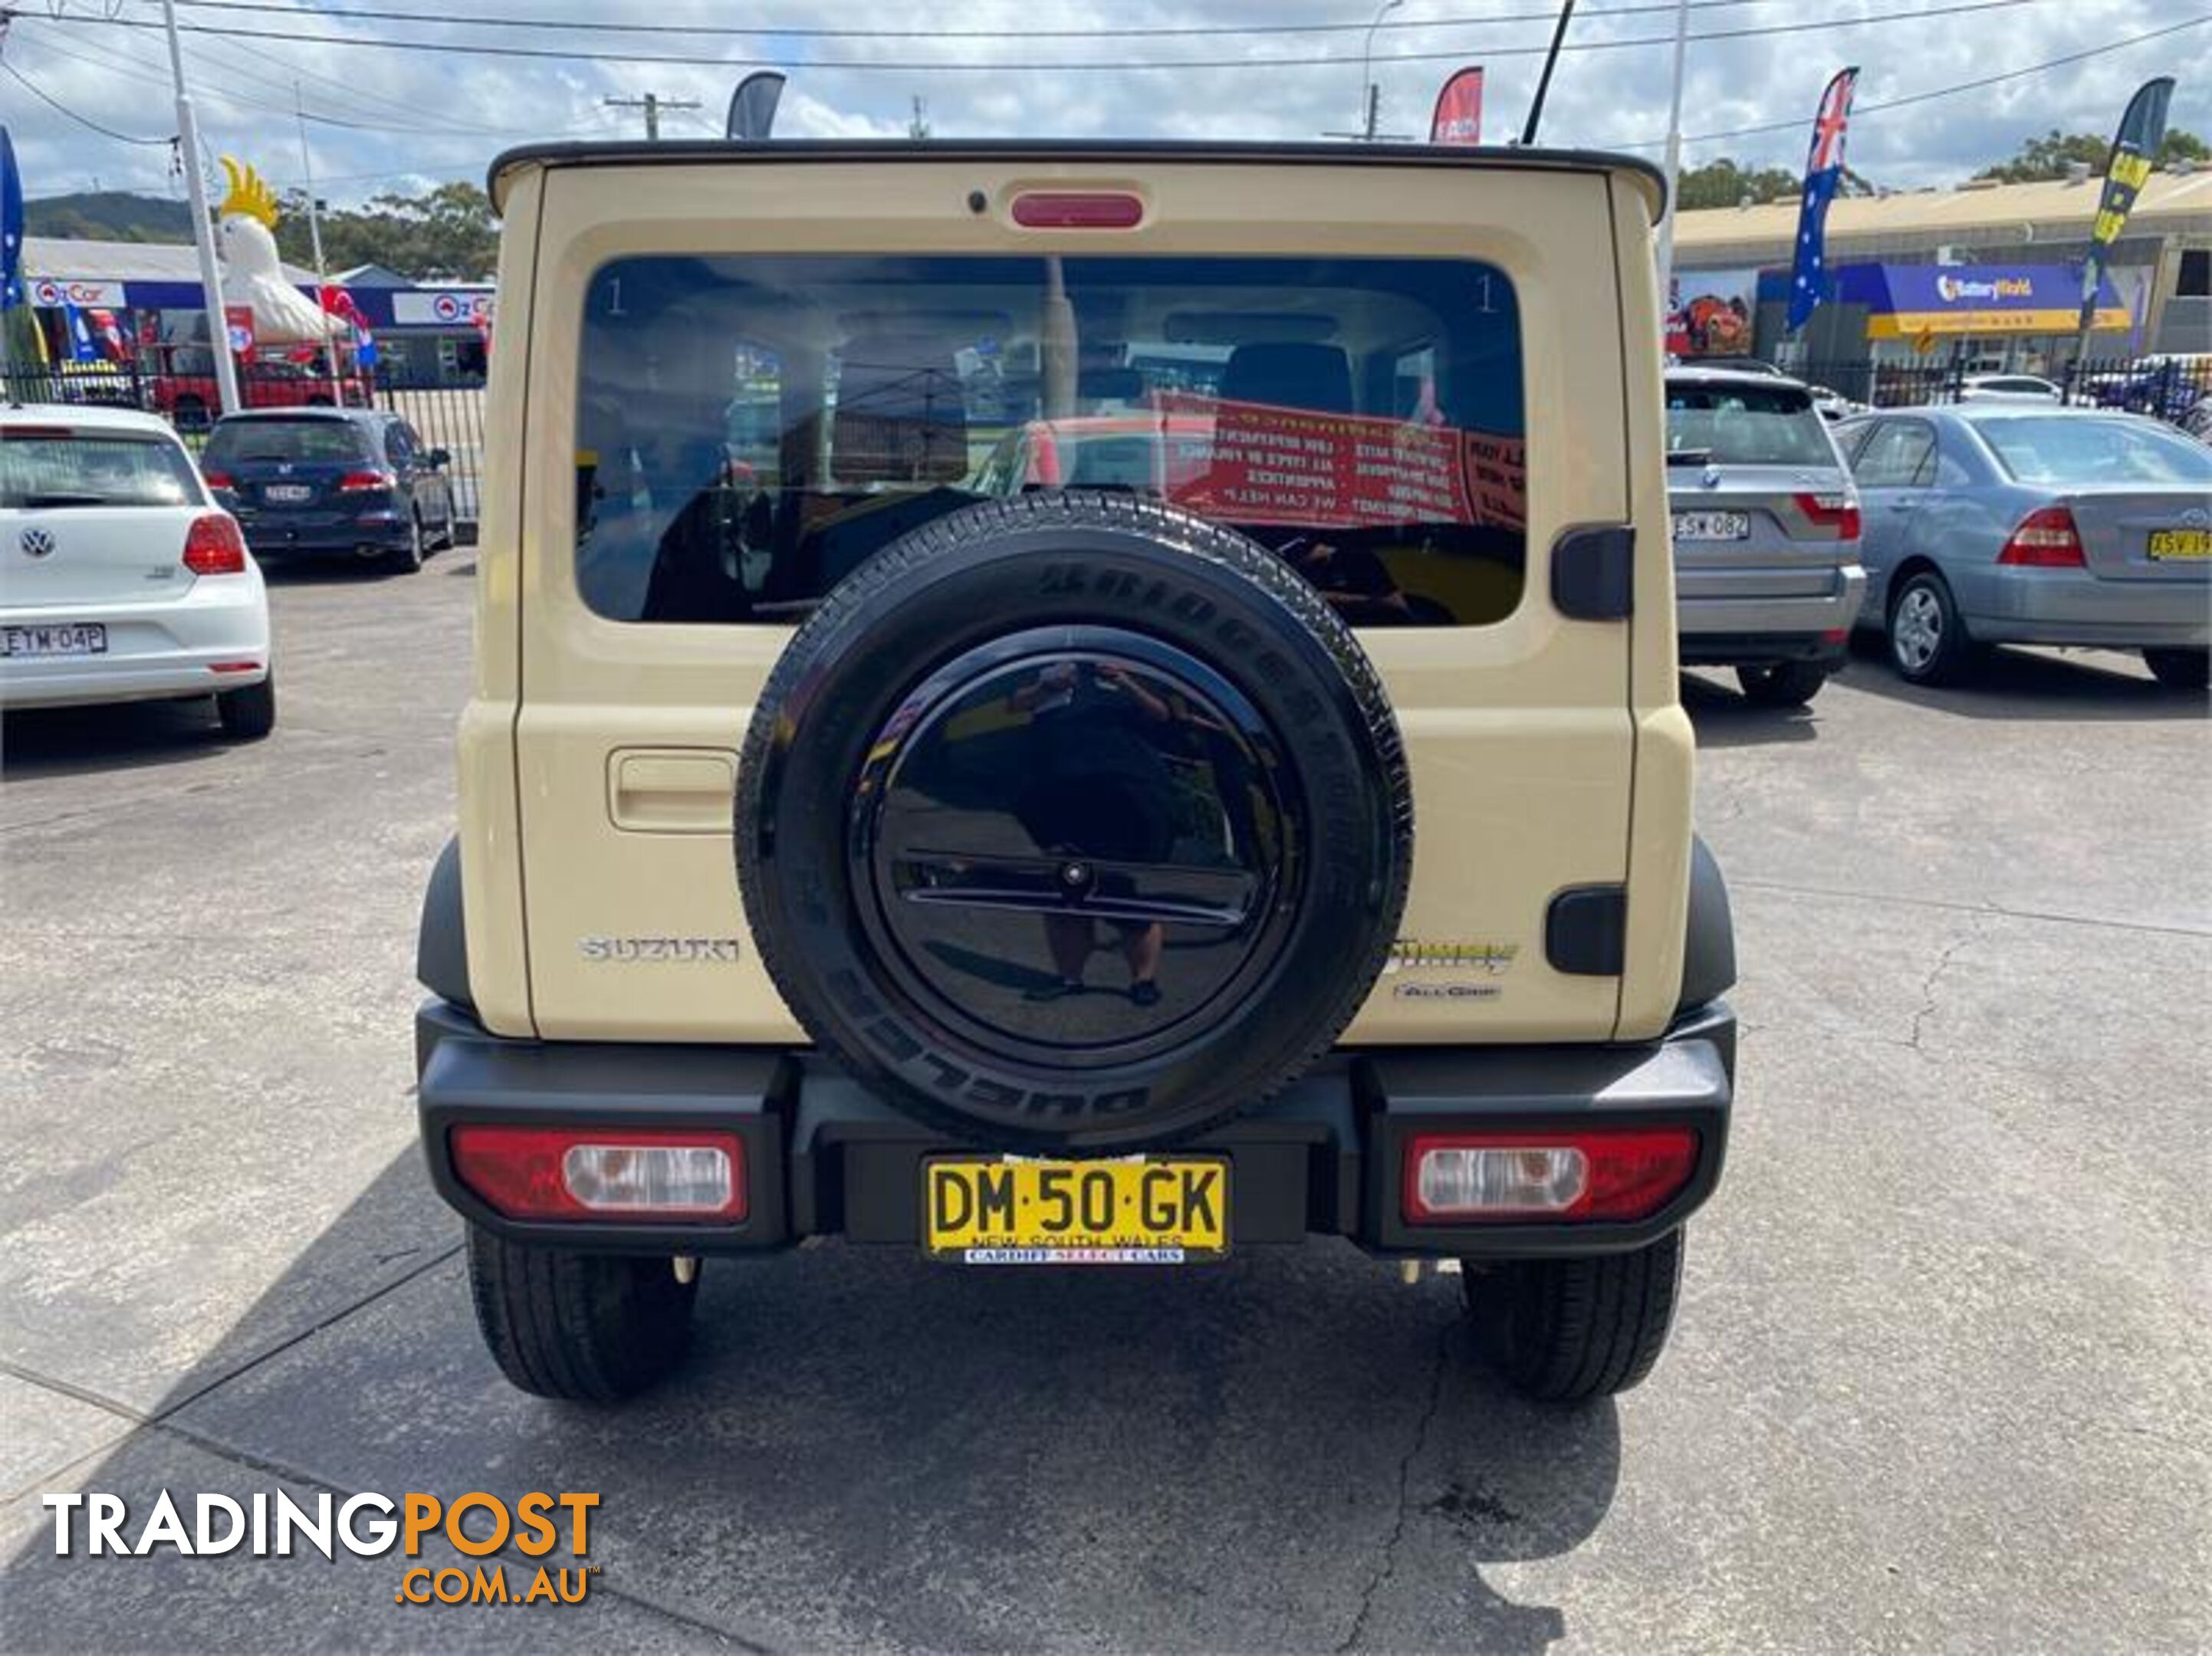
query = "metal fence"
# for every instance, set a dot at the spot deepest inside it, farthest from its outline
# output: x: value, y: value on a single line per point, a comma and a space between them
x: 445, y: 417
x: 2167, y: 388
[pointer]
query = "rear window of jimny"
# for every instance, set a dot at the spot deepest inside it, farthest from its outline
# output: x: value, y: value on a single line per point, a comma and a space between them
x: 750, y: 430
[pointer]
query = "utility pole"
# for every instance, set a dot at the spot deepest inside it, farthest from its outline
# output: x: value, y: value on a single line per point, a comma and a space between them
x: 188, y: 136
x: 315, y: 240
x: 1370, y: 96
x: 652, y: 103
x: 1673, y: 161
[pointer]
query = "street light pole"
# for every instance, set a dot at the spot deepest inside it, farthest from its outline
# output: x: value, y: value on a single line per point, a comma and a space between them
x: 188, y: 136
x: 1370, y: 97
x: 1674, y: 157
x: 315, y: 241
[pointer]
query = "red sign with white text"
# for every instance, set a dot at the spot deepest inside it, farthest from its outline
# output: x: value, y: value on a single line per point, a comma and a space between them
x: 1458, y: 118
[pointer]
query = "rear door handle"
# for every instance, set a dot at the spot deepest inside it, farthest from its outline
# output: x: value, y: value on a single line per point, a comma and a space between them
x: 671, y: 790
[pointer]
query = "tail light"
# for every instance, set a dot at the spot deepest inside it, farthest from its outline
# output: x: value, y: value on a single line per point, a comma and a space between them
x: 592, y: 1173
x: 218, y: 479
x: 214, y: 546
x: 1602, y: 1174
x: 2045, y: 539
x: 1072, y: 209
x: 357, y: 482
x: 1838, y: 512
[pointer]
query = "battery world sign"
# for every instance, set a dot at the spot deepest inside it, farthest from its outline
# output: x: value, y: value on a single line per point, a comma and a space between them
x: 1905, y: 301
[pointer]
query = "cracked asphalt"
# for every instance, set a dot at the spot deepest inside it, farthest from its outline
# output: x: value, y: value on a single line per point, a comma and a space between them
x: 1939, y: 1381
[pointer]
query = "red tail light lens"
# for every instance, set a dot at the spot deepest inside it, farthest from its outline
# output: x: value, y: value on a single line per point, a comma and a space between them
x: 215, y: 479
x: 2046, y: 539
x: 214, y: 546
x: 591, y: 1172
x: 1069, y: 209
x: 1838, y: 512
x: 1602, y: 1174
x: 355, y: 482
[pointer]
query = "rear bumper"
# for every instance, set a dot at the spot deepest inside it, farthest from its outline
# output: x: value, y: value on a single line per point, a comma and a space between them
x: 1715, y: 629
x: 273, y: 540
x: 2065, y: 606
x: 825, y: 1157
x: 155, y: 650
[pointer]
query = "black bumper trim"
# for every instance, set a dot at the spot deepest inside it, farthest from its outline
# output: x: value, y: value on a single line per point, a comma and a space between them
x: 824, y: 1156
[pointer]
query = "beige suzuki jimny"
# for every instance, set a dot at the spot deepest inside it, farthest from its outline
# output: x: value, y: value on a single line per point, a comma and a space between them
x: 1054, y: 705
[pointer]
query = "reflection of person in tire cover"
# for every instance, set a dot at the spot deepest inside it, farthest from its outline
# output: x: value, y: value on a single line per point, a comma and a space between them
x: 1098, y: 790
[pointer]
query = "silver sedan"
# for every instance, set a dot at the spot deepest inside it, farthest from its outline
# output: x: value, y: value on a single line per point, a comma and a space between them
x: 1996, y: 523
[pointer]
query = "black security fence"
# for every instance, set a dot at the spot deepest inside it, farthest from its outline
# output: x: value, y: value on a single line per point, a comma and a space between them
x: 444, y: 416
x: 2167, y: 388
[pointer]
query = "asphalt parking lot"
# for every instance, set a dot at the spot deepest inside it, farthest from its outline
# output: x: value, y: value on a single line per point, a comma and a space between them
x: 1941, y: 1379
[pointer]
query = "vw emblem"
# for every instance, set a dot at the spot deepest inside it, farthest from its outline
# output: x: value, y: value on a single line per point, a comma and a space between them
x: 284, y: 468
x: 2196, y: 517
x: 38, y: 543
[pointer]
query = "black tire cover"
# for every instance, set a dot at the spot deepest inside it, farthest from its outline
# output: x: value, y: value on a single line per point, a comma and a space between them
x: 1039, y: 754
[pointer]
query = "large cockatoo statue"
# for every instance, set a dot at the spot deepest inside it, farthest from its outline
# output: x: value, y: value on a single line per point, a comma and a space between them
x: 251, y: 273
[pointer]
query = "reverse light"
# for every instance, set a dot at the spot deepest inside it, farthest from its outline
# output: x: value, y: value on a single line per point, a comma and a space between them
x: 1072, y: 209
x: 588, y: 1173
x: 1601, y: 1174
x: 2045, y: 539
x: 1838, y: 512
x: 213, y: 546
x: 355, y: 482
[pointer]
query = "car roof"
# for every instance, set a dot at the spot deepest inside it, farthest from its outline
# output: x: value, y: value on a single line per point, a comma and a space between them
x: 1687, y: 375
x: 310, y: 411
x: 1645, y: 175
x: 83, y: 416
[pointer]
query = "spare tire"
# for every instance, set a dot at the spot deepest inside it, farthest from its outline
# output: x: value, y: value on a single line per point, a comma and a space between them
x: 1041, y: 730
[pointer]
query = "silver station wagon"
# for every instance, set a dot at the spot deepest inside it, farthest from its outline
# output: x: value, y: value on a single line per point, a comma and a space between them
x: 1766, y: 528
x: 2019, y: 523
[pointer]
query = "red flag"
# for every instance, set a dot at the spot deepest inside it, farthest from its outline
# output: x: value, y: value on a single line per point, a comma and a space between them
x: 1458, y: 118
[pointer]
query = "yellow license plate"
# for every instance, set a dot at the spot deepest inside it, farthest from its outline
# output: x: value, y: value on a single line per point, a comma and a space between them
x: 1152, y: 1210
x: 2181, y: 542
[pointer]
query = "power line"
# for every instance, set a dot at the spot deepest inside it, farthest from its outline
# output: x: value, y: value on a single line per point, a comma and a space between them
x: 810, y: 32
x: 48, y: 99
x: 910, y: 66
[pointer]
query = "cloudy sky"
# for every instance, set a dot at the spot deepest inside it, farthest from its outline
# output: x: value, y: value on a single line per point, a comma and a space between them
x: 383, y: 120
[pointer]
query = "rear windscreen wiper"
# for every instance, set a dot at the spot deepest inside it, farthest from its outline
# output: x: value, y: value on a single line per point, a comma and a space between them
x: 64, y: 497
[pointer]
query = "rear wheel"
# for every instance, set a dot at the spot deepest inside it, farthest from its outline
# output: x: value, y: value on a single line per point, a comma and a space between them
x: 1782, y: 683
x: 2180, y: 670
x: 1928, y: 641
x: 408, y: 559
x: 588, y: 1327
x: 249, y: 713
x: 1566, y: 1331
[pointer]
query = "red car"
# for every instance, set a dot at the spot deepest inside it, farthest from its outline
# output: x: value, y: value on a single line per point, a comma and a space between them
x: 191, y: 402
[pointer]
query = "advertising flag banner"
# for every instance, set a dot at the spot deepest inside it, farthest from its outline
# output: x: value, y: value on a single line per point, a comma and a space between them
x: 11, y: 224
x: 752, y: 105
x: 1824, y: 171
x: 2135, y: 147
x: 1458, y: 118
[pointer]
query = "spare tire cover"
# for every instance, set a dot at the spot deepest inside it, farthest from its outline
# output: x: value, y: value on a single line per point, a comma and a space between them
x: 1073, y: 821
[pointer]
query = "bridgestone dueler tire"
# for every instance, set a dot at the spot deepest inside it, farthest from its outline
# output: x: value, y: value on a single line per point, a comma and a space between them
x: 586, y: 1327
x: 963, y: 584
x: 1566, y: 1331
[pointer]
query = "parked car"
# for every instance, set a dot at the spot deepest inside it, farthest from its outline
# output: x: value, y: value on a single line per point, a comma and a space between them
x: 2009, y: 388
x: 1831, y: 404
x: 1765, y: 532
x: 332, y: 483
x: 120, y: 579
x: 1072, y: 827
x: 192, y: 399
x: 2001, y: 523
x: 104, y: 384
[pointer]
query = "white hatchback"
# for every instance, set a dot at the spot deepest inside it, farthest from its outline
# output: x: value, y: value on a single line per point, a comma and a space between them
x: 120, y: 579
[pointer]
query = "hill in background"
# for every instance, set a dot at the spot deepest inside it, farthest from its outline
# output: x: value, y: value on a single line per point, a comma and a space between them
x: 109, y: 215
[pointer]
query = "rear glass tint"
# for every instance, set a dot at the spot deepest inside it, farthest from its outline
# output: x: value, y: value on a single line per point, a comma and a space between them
x: 65, y: 469
x: 1748, y: 425
x: 2084, y: 449
x: 752, y: 430
x: 244, y: 441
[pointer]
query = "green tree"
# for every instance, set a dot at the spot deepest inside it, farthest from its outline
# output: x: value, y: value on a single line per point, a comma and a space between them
x: 1723, y: 184
x: 448, y: 235
x: 2050, y: 156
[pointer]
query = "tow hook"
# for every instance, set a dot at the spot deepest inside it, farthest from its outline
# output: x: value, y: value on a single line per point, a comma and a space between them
x: 686, y: 1267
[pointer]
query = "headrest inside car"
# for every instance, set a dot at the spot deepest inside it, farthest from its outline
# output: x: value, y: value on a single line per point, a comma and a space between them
x: 1289, y: 374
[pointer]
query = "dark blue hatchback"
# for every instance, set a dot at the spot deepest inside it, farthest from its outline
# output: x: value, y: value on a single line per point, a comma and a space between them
x: 332, y: 482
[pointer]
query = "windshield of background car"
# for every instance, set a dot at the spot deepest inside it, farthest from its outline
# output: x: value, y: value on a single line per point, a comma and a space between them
x: 246, y: 440
x: 39, y: 469
x: 750, y: 430
x: 2083, y: 449
x: 1748, y: 425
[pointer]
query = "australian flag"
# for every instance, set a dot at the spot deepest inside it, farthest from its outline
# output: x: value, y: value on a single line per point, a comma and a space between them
x: 1824, y: 171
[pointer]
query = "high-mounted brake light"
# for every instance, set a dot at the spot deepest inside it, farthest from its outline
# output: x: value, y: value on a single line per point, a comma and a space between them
x: 1838, y: 512
x: 355, y: 482
x: 2046, y: 539
x: 1597, y: 1173
x: 214, y: 545
x: 590, y: 1172
x: 1072, y: 209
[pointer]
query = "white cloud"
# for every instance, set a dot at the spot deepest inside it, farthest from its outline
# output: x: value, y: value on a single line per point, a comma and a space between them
x: 443, y: 117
